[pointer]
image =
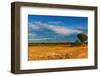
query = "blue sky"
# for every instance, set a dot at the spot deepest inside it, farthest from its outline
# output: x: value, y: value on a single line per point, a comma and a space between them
x: 43, y: 28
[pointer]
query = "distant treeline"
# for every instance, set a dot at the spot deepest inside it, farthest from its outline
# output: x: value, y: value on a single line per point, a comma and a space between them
x: 58, y: 44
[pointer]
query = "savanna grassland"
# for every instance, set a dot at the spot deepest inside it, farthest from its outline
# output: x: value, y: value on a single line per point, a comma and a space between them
x: 52, y: 51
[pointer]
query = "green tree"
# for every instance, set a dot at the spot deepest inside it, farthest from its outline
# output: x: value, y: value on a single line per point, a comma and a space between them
x: 82, y: 37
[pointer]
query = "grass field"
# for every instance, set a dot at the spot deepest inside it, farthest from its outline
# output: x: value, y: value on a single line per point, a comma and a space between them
x: 51, y: 51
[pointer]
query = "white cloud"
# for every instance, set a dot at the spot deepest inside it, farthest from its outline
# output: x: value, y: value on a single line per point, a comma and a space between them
x: 40, y: 38
x: 35, y: 25
x: 35, y: 39
x: 63, y: 30
x: 57, y: 29
x: 32, y: 34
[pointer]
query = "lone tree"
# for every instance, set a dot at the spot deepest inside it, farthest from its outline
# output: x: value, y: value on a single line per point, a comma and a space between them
x: 82, y: 37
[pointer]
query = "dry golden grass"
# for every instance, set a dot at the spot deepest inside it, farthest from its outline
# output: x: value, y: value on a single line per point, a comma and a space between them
x: 57, y: 51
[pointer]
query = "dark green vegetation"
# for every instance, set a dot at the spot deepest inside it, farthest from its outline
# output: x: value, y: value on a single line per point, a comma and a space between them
x: 82, y: 37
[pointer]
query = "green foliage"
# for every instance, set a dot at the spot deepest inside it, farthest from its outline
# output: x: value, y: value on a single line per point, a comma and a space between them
x: 82, y: 37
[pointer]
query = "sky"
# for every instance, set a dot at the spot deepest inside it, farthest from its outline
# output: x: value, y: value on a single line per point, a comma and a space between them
x: 47, y: 28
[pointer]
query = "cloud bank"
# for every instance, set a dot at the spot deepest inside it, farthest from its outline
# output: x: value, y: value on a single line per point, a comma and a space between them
x: 56, y: 29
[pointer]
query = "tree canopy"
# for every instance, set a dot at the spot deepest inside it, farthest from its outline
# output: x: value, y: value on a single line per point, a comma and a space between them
x: 82, y: 37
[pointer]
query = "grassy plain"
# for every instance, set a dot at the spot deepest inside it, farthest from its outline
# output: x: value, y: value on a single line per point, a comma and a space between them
x: 54, y: 51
